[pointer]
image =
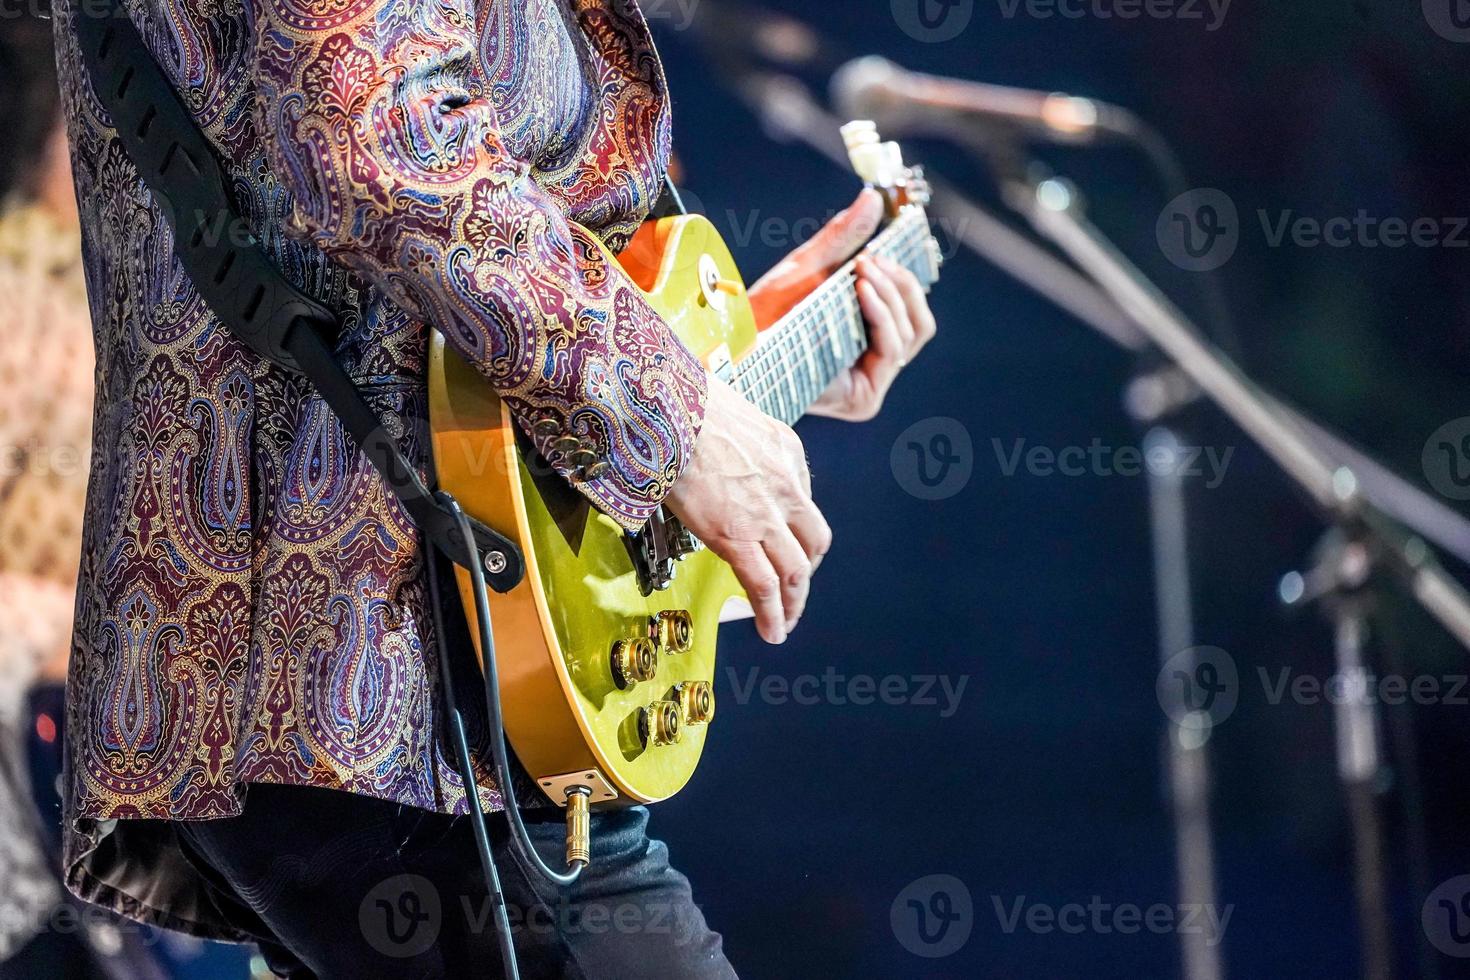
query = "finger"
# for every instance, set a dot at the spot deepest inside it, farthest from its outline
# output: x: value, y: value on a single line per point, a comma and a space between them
x: 884, y: 340
x: 848, y: 231
x: 893, y: 299
x: 795, y: 455
x: 812, y: 532
x: 916, y: 303
x: 762, y: 586
x: 790, y: 561
x: 881, y: 364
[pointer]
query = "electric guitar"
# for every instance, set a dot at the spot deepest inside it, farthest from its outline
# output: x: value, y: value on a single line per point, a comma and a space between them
x: 606, y: 657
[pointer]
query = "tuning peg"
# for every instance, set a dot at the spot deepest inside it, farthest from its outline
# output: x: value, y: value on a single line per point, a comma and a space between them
x: 892, y: 158
x: 864, y: 151
x: 859, y: 132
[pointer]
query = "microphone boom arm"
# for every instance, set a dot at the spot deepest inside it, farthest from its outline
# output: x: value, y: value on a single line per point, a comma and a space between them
x: 1052, y: 207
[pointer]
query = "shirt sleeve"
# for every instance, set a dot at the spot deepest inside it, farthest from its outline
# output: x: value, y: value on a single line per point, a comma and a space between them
x: 374, y: 123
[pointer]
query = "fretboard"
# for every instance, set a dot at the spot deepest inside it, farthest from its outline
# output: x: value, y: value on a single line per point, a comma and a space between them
x: 803, y: 352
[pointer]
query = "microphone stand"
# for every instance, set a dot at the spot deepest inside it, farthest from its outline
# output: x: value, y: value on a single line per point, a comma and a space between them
x: 1185, y: 755
x: 1186, y: 738
x: 1338, y: 583
x: 1053, y: 208
x: 1150, y: 397
x: 1348, y: 486
x: 1372, y: 539
x: 1154, y: 397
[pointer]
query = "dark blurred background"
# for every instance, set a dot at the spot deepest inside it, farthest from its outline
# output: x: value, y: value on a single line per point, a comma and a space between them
x: 1045, y: 787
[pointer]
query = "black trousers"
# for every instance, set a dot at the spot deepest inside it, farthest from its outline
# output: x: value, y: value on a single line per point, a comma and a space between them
x: 338, y: 885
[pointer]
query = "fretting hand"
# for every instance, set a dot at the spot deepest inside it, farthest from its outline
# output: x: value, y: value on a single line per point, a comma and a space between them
x: 892, y: 300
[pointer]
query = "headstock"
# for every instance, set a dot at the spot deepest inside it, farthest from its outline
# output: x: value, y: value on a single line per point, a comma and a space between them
x: 881, y: 166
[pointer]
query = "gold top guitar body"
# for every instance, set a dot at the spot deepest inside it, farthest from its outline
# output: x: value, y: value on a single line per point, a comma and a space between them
x: 606, y: 657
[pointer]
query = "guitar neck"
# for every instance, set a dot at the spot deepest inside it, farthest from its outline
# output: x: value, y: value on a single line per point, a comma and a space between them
x: 802, y: 353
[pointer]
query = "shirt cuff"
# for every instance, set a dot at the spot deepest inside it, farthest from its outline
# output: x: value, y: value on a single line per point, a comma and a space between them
x: 633, y: 437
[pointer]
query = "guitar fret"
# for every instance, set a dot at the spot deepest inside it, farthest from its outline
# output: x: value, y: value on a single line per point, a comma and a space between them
x: 800, y: 355
x: 830, y: 365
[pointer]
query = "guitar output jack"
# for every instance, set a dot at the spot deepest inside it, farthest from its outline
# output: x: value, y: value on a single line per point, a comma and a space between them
x: 633, y: 661
x: 659, y: 723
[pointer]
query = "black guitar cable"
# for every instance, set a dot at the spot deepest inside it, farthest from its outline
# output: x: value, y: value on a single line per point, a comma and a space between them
x: 520, y: 840
x: 461, y: 747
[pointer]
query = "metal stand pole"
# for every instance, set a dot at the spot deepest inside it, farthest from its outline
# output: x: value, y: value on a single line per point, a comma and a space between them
x: 1338, y: 583
x: 1185, y: 760
x: 1358, y: 767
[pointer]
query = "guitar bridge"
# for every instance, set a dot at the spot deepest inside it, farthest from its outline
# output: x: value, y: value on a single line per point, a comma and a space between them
x: 656, y: 550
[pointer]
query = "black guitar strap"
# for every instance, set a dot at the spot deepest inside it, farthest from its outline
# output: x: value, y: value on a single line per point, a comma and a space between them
x: 669, y: 202
x: 233, y: 274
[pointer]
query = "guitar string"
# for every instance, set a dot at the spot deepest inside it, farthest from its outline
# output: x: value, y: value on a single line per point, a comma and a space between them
x: 779, y: 381
x: 774, y: 366
x: 773, y: 378
x: 777, y: 373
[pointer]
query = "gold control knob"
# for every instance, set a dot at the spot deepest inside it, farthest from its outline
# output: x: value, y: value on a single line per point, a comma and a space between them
x: 633, y: 661
x: 660, y: 723
x: 672, y: 630
x: 696, y: 701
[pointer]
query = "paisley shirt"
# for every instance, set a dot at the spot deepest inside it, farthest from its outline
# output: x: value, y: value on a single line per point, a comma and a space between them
x: 252, y: 605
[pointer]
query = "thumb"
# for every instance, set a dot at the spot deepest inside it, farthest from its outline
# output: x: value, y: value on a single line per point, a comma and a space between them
x: 848, y: 231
